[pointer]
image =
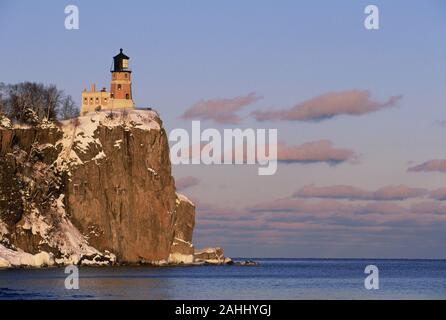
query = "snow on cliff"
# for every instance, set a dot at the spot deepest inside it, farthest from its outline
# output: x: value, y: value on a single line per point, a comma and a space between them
x: 5, y: 122
x: 72, y: 245
x: 79, y: 133
x: 19, y: 258
x: 182, y: 197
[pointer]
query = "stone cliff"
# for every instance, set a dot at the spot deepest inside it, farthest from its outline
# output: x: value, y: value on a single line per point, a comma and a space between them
x: 93, y: 190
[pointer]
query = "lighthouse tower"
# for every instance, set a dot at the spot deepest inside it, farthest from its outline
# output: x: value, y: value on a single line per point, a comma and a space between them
x: 121, y: 83
x: 120, y: 95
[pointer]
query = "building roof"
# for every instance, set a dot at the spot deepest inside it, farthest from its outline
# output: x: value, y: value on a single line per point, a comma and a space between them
x: 121, y: 55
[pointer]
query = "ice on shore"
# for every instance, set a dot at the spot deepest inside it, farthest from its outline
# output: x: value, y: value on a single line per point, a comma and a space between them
x: 11, y: 258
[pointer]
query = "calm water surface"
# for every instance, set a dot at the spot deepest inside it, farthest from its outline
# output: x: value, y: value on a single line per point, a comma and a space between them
x: 272, y: 279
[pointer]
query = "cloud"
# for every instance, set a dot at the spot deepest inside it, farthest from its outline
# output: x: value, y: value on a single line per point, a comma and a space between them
x: 430, y: 166
x: 439, y: 194
x: 216, y: 213
x: 301, y: 206
x: 387, y: 193
x: 331, y: 192
x: 329, y: 105
x: 316, y: 151
x: 441, y: 123
x: 381, y: 208
x: 429, y: 207
x: 220, y: 110
x: 399, y: 192
x: 278, y: 205
x: 186, y: 182
x: 286, y: 209
x: 306, y: 153
x: 323, y: 226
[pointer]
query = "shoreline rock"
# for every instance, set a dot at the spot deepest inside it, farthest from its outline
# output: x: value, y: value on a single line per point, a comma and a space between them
x: 247, y: 263
x: 212, y: 256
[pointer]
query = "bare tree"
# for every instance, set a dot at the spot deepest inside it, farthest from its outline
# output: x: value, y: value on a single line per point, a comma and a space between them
x: 30, y: 102
x: 68, y: 109
x: 53, y: 99
x: 2, y: 104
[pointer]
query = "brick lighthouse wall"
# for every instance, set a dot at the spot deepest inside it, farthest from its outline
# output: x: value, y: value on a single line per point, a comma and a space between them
x: 122, y: 79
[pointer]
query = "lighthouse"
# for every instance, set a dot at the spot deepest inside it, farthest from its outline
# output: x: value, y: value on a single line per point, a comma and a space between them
x: 121, y: 82
x: 120, y: 95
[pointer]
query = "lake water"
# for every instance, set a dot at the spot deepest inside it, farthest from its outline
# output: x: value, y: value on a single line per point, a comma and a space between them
x: 272, y: 279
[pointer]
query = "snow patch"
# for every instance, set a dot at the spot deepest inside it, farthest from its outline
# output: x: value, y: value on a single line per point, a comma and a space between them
x: 184, y: 241
x: 99, y: 156
x: 118, y: 144
x: 142, y: 119
x: 79, y: 133
x: 71, y: 243
x: 3, y: 229
x: 206, y: 250
x: 36, y: 223
x: 182, y: 197
x: 181, y: 258
x: 11, y: 258
x: 5, y: 122
x: 152, y: 171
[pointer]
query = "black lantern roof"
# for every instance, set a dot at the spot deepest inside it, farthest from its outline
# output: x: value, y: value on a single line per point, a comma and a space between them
x: 118, y: 64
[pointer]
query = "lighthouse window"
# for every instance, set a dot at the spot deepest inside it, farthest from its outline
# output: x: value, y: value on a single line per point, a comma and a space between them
x: 119, y: 87
x: 85, y: 100
x: 125, y: 75
x: 127, y: 96
x: 97, y: 100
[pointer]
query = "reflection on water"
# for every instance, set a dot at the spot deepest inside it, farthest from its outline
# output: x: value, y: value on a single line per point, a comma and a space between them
x: 273, y: 279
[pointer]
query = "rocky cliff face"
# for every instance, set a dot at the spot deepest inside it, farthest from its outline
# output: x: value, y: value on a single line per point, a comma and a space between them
x: 93, y: 190
x: 182, y: 250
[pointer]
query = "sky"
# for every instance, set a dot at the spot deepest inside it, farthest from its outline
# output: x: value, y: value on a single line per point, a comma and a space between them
x: 360, y: 114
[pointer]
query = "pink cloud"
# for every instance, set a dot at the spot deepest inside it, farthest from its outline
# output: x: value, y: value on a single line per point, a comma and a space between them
x: 220, y: 110
x: 430, y: 165
x: 329, y: 105
x: 347, y: 214
x: 186, y: 182
x: 429, y: 207
x: 331, y: 192
x: 386, y: 208
x: 208, y: 211
x: 399, y: 192
x: 439, y: 194
x: 300, y: 206
x: 283, y: 204
x: 309, y: 152
x: 316, y: 151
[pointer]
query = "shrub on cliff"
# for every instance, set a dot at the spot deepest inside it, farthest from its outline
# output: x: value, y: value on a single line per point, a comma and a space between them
x: 30, y: 102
